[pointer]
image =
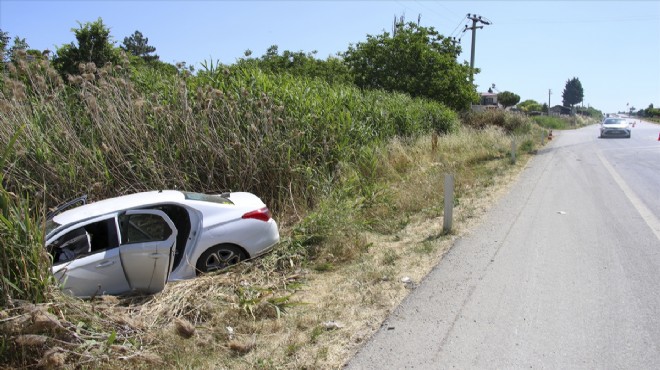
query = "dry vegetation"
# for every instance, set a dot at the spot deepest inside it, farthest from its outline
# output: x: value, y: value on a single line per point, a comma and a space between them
x: 354, y: 178
x: 257, y: 316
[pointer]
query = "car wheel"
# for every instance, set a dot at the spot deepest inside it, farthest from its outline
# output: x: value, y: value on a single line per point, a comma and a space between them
x: 219, y: 257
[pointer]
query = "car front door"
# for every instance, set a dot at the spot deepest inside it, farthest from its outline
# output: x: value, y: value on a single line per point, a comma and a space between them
x: 86, y: 259
x: 146, y: 250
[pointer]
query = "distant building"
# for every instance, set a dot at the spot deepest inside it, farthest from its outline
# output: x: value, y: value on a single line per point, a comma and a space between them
x: 489, y: 98
x: 559, y: 110
x: 487, y: 101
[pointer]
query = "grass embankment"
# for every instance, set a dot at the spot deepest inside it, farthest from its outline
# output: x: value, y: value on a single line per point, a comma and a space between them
x: 562, y: 123
x: 355, y: 180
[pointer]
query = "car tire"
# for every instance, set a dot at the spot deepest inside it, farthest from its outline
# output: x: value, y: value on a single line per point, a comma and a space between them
x: 219, y: 257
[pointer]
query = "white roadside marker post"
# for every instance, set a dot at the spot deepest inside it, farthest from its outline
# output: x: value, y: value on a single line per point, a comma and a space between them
x: 449, y: 203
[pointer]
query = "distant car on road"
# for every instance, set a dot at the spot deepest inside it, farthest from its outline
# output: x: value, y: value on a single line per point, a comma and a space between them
x: 615, y: 127
x: 138, y: 242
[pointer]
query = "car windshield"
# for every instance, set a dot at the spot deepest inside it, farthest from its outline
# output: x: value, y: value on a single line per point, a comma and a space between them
x: 207, y: 198
x: 614, y: 121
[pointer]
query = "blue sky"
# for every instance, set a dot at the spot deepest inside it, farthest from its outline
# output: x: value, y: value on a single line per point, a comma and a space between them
x: 531, y: 47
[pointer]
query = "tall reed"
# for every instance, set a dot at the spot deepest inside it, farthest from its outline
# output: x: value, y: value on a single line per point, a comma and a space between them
x: 24, y: 264
x: 117, y: 129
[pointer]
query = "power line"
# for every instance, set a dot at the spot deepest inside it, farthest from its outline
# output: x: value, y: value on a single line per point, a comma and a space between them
x: 442, y: 15
x: 454, y: 33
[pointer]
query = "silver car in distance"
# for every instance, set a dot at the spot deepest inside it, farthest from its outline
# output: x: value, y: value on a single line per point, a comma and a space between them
x: 615, y: 126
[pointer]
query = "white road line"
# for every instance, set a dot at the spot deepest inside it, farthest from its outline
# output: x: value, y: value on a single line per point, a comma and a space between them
x: 632, y: 148
x: 646, y: 213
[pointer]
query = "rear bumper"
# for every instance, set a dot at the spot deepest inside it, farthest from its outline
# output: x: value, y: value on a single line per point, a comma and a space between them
x: 266, y: 239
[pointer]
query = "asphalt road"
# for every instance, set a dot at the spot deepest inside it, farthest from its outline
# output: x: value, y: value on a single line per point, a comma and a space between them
x: 563, y: 273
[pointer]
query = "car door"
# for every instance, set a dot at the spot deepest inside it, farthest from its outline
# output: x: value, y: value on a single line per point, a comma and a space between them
x: 92, y: 269
x: 148, y: 239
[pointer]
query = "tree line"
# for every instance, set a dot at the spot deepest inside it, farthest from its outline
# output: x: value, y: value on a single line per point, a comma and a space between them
x: 413, y: 59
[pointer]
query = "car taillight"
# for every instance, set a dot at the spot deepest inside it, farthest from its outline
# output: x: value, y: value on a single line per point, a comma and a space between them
x: 260, y: 214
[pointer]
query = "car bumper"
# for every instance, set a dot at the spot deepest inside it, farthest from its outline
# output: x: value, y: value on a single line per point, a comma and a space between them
x: 615, y: 132
x: 263, y: 241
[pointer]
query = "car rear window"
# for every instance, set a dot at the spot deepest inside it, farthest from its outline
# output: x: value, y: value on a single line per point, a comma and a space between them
x: 213, y: 198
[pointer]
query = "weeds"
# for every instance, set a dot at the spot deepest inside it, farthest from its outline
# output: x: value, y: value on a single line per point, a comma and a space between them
x: 563, y: 122
x: 509, y: 122
x: 389, y: 257
x: 115, y: 129
x: 24, y: 266
x: 348, y: 171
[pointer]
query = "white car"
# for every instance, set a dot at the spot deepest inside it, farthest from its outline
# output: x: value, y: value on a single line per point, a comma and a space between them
x: 615, y: 126
x: 138, y: 242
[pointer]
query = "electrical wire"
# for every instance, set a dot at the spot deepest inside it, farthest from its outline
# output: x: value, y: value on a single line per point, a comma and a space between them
x: 453, y: 33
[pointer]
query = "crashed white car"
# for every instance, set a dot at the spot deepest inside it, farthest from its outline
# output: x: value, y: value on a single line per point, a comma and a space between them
x: 138, y: 242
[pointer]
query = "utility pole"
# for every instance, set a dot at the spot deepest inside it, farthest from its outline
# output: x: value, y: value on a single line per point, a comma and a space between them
x: 549, y: 93
x: 475, y: 19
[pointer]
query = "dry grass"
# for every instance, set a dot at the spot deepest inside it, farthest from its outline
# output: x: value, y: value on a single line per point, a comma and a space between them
x: 256, y: 316
x: 343, y: 307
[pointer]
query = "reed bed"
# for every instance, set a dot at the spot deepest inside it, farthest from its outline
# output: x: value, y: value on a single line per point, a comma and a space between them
x: 347, y: 172
x: 114, y: 129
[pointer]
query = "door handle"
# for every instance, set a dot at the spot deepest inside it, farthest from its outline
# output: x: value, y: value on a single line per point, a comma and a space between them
x: 105, y: 263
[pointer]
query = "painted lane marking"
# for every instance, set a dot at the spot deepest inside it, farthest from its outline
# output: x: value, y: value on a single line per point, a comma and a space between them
x: 646, y: 213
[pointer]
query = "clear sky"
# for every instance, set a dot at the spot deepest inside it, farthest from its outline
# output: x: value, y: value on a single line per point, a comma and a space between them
x: 531, y: 47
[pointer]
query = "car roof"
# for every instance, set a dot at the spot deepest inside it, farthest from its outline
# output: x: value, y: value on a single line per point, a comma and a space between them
x: 119, y: 203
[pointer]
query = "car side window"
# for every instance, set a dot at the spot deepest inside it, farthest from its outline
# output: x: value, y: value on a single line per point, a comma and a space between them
x: 85, y: 240
x: 141, y: 228
x: 70, y: 246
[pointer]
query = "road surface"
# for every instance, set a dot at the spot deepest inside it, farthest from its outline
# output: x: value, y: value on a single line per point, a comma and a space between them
x: 563, y: 273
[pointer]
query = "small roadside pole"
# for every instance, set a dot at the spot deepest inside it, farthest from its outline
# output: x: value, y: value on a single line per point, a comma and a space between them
x: 449, y: 203
x: 513, y: 151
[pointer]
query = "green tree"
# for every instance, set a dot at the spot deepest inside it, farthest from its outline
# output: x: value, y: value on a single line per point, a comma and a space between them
x: 530, y: 106
x: 4, y: 44
x: 508, y: 99
x: 19, y: 45
x: 651, y: 111
x: 94, y: 45
x: 573, y: 92
x: 332, y: 70
x: 591, y: 112
x: 137, y: 45
x: 415, y: 60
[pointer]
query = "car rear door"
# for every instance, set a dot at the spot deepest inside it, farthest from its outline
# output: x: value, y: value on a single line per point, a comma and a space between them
x: 148, y: 239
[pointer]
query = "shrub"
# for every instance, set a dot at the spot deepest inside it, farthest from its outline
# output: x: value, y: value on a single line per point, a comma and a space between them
x: 510, y: 122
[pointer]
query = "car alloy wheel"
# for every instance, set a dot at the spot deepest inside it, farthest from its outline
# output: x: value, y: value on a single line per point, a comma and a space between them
x: 219, y: 257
